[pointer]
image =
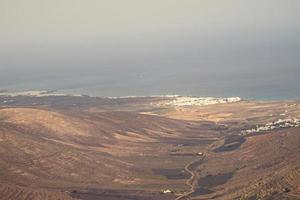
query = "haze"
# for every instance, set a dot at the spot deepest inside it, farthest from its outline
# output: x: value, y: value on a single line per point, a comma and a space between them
x: 139, y: 47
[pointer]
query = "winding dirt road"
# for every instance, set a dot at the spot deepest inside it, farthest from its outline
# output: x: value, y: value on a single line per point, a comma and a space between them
x: 190, y: 168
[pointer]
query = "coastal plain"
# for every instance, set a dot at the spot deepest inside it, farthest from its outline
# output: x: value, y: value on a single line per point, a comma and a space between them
x: 147, y: 148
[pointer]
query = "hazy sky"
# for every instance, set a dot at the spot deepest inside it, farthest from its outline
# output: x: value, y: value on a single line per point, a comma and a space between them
x: 107, y: 40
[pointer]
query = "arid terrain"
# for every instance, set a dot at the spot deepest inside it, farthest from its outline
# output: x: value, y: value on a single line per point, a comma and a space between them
x: 147, y: 148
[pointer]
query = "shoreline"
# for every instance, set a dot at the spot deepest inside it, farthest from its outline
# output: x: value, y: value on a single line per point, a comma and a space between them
x: 57, y: 93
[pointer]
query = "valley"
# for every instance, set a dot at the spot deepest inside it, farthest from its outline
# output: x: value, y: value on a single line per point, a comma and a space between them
x: 144, y: 148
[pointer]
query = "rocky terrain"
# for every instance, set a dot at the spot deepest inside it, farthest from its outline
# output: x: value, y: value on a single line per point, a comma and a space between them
x: 80, y: 147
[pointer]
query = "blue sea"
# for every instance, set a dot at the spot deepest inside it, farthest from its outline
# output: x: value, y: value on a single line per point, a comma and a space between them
x: 266, y: 85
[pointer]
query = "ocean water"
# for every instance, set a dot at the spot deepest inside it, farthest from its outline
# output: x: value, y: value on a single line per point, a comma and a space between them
x: 266, y: 85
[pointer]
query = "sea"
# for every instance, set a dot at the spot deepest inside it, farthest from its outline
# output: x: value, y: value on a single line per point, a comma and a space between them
x: 271, y: 85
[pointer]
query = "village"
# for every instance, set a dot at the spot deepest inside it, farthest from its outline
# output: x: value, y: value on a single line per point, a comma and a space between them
x: 281, y: 123
x: 200, y: 101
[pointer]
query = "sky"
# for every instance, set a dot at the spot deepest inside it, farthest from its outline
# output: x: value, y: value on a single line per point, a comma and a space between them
x: 51, y: 43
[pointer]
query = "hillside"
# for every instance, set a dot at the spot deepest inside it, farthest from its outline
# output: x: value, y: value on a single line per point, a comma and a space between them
x: 134, y: 149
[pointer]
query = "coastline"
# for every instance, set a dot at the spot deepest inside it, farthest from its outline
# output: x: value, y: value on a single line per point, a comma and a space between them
x: 48, y: 93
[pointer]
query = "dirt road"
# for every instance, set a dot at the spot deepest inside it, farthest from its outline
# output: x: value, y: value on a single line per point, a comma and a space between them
x: 190, y: 168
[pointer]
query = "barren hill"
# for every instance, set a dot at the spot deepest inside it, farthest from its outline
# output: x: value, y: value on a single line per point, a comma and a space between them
x: 136, y: 148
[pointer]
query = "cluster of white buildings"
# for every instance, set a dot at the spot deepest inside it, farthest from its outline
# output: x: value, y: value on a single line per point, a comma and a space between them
x: 200, y: 101
x: 281, y: 123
